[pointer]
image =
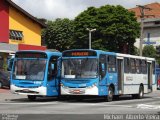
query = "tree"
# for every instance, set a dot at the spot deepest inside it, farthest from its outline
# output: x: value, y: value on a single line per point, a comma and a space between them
x: 59, y: 34
x: 116, y: 27
x: 136, y: 51
x: 158, y: 54
x: 149, y: 51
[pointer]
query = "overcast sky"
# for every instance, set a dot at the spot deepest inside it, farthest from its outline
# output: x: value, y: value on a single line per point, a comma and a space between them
x: 52, y: 9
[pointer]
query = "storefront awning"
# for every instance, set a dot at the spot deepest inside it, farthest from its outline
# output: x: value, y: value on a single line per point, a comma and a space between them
x: 8, y: 48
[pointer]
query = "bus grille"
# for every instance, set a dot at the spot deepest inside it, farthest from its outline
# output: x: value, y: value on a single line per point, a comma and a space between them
x: 26, y: 91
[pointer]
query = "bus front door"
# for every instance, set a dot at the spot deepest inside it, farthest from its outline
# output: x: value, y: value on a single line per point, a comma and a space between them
x: 53, y: 82
x: 120, y: 76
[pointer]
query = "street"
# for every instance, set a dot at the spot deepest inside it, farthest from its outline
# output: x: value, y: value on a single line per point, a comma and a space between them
x: 19, y: 105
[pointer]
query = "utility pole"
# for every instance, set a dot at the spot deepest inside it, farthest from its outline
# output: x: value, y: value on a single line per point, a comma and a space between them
x: 142, y: 8
x: 90, y: 31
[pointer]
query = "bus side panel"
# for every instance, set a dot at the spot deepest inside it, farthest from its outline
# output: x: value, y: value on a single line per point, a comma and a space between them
x: 132, y: 83
x: 110, y: 78
x: 102, y: 89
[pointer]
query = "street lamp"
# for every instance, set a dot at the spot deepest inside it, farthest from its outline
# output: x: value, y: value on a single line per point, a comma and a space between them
x: 90, y: 31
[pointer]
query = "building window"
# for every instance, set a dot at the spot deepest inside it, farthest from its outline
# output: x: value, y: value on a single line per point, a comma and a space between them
x: 16, y: 35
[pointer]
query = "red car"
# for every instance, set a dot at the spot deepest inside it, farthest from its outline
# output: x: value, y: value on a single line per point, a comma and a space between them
x: 158, y: 84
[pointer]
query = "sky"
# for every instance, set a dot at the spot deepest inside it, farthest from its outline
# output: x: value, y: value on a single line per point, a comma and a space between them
x: 52, y: 9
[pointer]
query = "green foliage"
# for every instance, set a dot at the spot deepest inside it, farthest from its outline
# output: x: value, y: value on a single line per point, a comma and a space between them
x: 115, y: 27
x: 59, y: 34
x: 149, y: 51
x: 136, y: 51
x: 158, y: 54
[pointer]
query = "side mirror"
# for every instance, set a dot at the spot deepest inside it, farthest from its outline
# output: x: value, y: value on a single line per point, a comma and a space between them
x: 52, y: 66
x: 9, y: 69
x: 103, y: 67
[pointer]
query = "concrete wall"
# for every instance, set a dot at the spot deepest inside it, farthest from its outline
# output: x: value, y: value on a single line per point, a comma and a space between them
x: 154, y: 31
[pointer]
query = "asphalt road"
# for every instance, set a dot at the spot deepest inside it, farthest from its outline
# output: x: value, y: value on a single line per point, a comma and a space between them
x: 19, y: 107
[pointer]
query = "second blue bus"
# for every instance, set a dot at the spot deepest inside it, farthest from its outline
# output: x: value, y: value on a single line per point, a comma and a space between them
x: 108, y: 74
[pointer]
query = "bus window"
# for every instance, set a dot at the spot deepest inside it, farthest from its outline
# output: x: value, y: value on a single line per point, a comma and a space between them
x: 111, y: 64
x: 126, y: 64
x: 132, y: 66
x: 29, y: 69
x: 138, y: 66
x: 102, y: 65
x: 52, y: 69
x: 144, y: 67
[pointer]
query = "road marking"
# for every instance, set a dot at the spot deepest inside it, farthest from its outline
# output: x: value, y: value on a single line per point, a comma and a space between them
x: 54, y: 103
x: 32, y: 103
x: 145, y: 106
x: 99, y: 104
x: 126, y: 106
x: 156, y: 97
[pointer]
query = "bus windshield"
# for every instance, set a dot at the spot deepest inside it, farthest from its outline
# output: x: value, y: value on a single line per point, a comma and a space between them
x: 25, y: 69
x: 79, y: 68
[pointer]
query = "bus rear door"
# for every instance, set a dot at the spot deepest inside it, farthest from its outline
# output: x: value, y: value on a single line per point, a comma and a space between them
x: 149, y: 69
x: 120, y: 75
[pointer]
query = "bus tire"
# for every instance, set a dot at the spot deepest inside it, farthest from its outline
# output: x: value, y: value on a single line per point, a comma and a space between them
x: 110, y: 94
x: 141, y: 92
x: 31, y: 97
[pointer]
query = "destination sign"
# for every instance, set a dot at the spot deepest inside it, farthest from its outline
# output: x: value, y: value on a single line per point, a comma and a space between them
x: 30, y: 55
x: 79, y: 53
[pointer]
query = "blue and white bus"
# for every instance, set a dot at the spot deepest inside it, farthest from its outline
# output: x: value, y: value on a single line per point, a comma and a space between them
x: 36, y: 73
x: 108, y: 74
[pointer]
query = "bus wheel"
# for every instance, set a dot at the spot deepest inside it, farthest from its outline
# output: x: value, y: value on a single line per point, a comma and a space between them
x: 31, y: 97
x: 110, y: 95
x: 141, y: 92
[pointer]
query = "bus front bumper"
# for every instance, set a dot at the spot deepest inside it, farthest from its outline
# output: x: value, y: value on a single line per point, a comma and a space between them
x: 29, y: 91
x: 79, y: 91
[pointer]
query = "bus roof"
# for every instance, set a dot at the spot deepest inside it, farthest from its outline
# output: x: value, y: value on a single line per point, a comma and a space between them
x: 134, y: 56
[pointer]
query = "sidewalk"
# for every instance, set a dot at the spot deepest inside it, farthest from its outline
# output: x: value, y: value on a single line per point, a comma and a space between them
x: 4, y: 90
x: 7, y: 96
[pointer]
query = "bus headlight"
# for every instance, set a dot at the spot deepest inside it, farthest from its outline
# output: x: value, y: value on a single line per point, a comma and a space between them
x: 93, y: 85
x: 63, y: 86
